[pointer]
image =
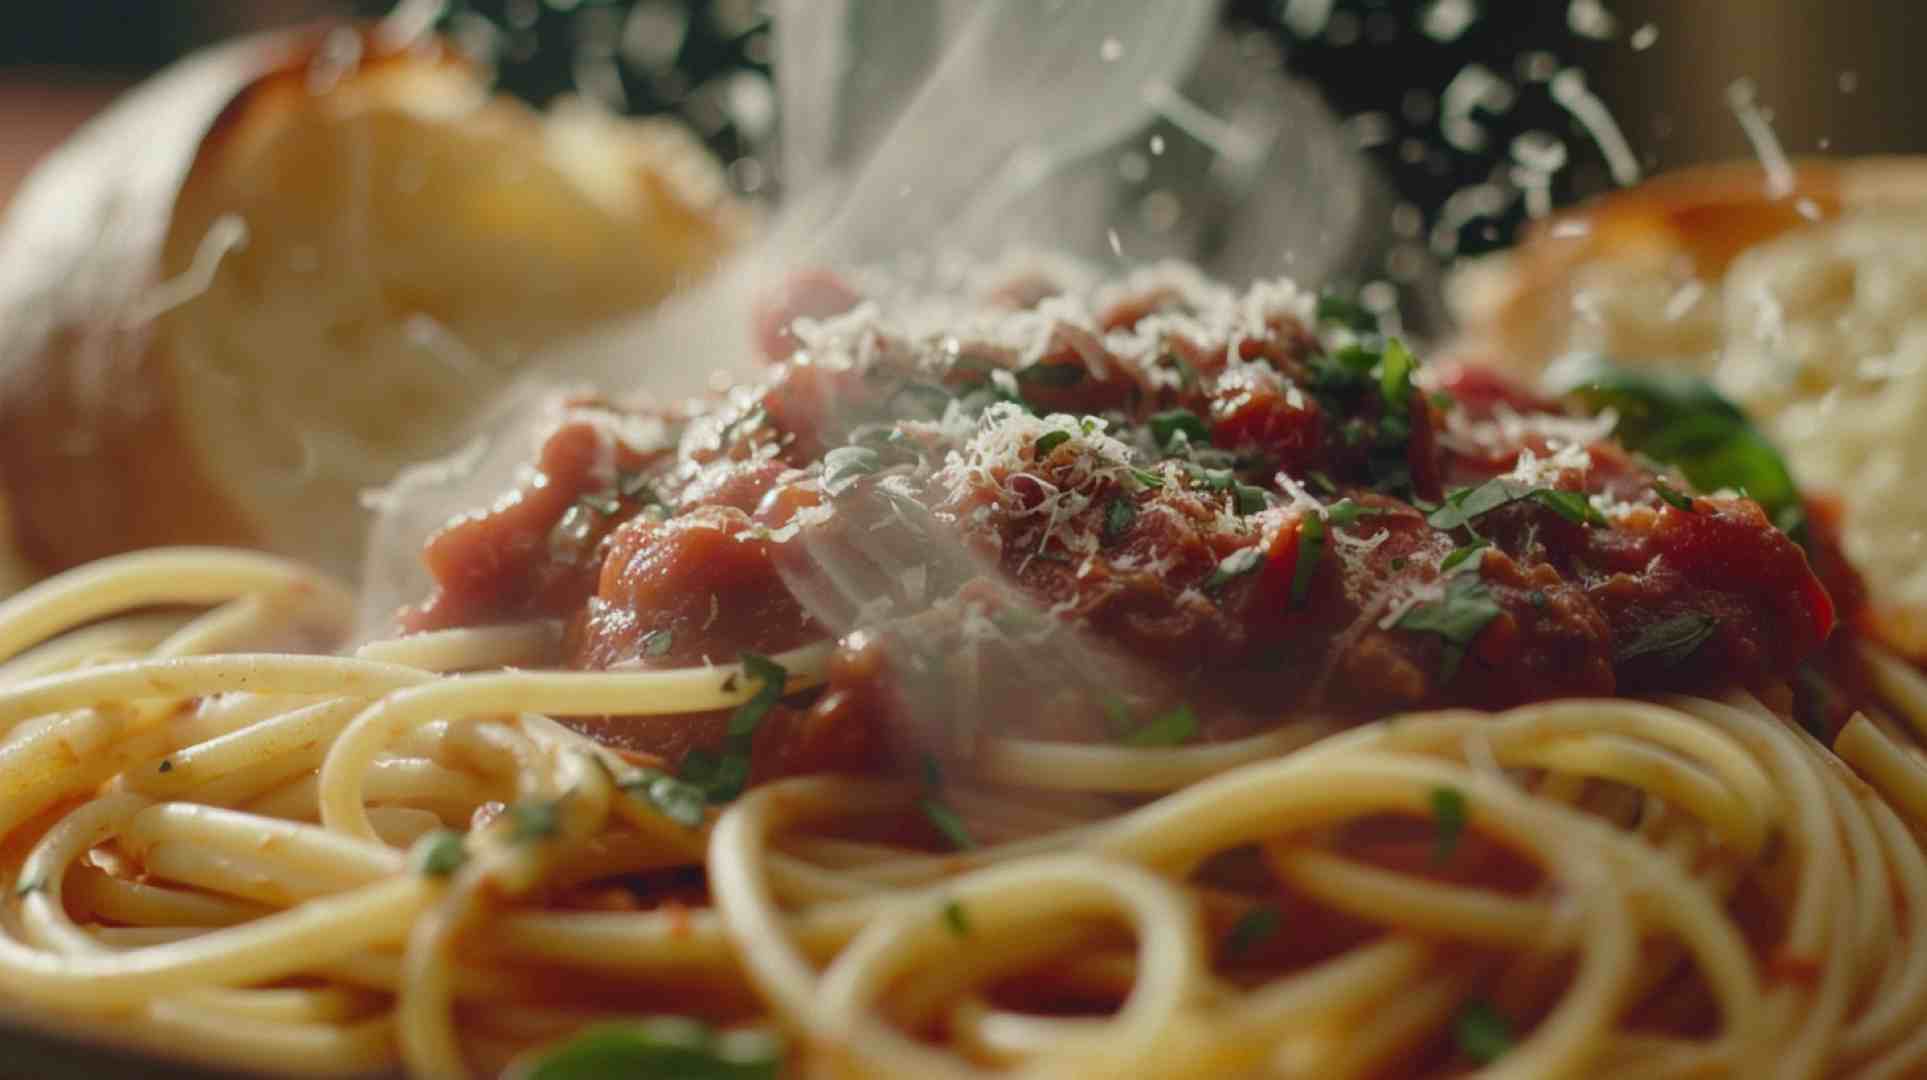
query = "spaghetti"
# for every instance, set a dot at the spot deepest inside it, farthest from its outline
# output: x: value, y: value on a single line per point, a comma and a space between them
x: 1714, y: 893
x: 1480, y: 755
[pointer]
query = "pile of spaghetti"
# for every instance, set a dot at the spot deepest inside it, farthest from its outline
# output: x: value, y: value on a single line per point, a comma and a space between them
x: 1162, y: 682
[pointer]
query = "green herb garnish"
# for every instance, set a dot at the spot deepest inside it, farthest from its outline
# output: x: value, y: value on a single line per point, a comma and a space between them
x: 1251, y: 929
x: 1167, y: 426
x: 947, y: 822
x: 771, y: 678
x: 845, y: 464
x: 1048, y: 441
x: 1448, y: 821
x: 1053, y: 376
x: 658, y: 642
x: 1233, y: 566
x: 532, y: 822
x: 1395, y: 374
x: 1118, y: 517
x: 1311, y: 549
x: 1481, y: 1032
x: 1678, y: 418
x: 955, y: 919
x: 1457, y: 617
x: 678, y: 800
x: 1669, y: 640
x: 1673, y: 497
x: 1346, y: 312
x: 1173, y: 728
x: 658, y: 1048
x: 1459, y: 555
x: 440, y: 853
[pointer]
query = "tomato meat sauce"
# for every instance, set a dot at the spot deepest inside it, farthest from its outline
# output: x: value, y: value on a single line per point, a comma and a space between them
x: 1158, y: 514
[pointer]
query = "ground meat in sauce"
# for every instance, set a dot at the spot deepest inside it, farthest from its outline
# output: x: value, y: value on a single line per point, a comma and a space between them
x: 1235, y: 501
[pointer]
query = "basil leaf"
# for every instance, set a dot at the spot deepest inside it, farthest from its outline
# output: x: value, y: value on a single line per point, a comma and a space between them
x: 1347, y: 512
x: 1456, y: 618
x: 1118, y: 517
x: 1678, y: 418
x: 1147, y: 478
x: 1311, y: 549
x: 658, y: 1048
x: 1670, y: 640
x: 1248, y: 499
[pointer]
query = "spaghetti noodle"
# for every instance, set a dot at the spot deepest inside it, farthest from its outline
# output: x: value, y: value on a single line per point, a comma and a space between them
x: 1714, y: 892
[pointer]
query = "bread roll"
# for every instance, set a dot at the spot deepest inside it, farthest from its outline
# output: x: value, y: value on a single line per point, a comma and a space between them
x: 282, y: 269
x: 1805, y: 301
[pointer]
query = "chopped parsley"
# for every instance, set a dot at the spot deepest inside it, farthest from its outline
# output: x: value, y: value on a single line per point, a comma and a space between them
x: 658, y: 642
x: 1311, y: 549
x: 1235, y: 565
x: 533, y: 822
x: 1457, y: 617
x: 1346, y: 312
x: 955, y: 919
x: 1252, y: 929
x: 440, y: 853
x: 1673, y: 497
x: 678, y: 800
x: 1448, y: 821
x: 1669, y: 640
x: 659, y: 1048
x: 845, y: 464
x: 635, y: 485
x: 772, y: 677
x: 1118, y: 517
x: 947, y: 822
x: 1053, y: 376
x: 1173, y: 728
x: 1347, y: 512
x: 1481, y: 1032
x: 1395, y: 374
x: 1459, y: 556
x: 1167, y: 426
x: 721, y: 774
x: 1050, y: 440
x: 1465, y: 505
x: 602, y: 502
x: 166, y: 765
x: 1571, y: 505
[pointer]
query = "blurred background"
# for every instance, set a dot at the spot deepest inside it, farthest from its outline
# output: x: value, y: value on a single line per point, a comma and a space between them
x: 1475, y: 114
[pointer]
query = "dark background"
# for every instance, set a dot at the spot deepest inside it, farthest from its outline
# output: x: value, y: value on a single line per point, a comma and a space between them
x: 1834, y: 77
